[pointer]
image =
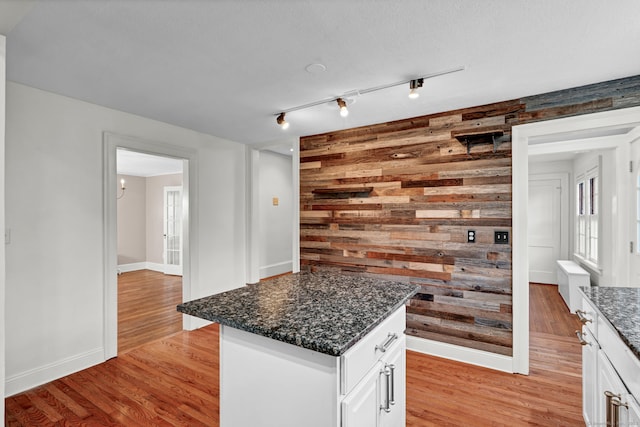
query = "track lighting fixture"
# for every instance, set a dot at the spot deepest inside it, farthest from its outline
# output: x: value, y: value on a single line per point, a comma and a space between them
x: 343, y: 107
x: 282, y: 122
x: 414, y: 85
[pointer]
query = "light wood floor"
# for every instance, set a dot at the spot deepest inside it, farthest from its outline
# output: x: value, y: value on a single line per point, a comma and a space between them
x: 174, y: 382
x: 147, y: 307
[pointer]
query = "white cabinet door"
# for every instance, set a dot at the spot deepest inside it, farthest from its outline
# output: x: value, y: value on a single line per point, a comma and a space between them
x: 609, y: 381
x: 361, y: 406
x: 589, y: 377
x: 633, y: 413
x: 393, y: 386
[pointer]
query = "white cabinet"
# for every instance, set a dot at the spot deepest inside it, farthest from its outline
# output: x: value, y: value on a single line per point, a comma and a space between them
x: 589, y: 381
x: 289, y: 386
x: 590, y: 347
x: 616, y: 407
x: 360, y: 408
x: 378, y: 399
x: 609, y: 373
x: 393, y: 387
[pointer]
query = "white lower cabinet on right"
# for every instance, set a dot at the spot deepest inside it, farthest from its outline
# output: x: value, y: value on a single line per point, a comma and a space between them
x: 615, y: 405
x: 610, y: 373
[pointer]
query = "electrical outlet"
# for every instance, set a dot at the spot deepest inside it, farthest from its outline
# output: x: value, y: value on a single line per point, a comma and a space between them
x: 501, y: 237
x: 471, y: 236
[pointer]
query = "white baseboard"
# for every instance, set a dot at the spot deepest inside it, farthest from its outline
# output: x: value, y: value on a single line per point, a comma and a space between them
x: 134, y: 266
x: 275, y: 269
x: 145, y: 265
x: 23, y: 381
x: 155, y: 266
x: 458, y: 353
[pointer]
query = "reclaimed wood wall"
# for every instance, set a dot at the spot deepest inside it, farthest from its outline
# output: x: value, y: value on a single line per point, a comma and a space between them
x: 398, y: 199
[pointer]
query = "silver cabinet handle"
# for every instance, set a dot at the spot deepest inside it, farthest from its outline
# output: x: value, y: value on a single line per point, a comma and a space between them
x: 581, y: 338
x: 610, y: 408
x: 385, y: 345
x: 387, y: 402
x: 581, y: 317
x: 613, y: 408
x: 392, y: 398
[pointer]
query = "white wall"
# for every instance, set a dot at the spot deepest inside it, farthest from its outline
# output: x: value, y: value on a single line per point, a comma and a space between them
x: 55, y: 262
x: 132, y: 220
x: 275, y: 180
x: 2, y: 216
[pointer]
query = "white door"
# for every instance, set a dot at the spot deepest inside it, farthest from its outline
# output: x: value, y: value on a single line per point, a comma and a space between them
x: 545, y: 230
x: 173, y: 230
x: 634, y: 262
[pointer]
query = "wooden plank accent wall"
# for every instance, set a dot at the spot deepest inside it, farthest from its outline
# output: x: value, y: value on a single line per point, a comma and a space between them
x: 396, y: 200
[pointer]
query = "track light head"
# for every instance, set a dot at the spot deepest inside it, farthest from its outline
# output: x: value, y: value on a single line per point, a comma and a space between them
x: 343, y: 107
x: 282, y: 122
x: 414, y: 85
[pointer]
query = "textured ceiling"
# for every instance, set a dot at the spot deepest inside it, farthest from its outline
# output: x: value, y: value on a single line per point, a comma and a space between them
x: 227, y: 67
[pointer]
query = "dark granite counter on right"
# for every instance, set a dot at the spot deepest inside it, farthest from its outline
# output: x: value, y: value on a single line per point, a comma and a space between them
x: 621, y: 307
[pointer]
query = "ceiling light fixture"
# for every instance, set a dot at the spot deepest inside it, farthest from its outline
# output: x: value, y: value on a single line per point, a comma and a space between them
x: 343, y: 107
x: 282, y: 122
x: 122, y: 187
x: 414, y: 85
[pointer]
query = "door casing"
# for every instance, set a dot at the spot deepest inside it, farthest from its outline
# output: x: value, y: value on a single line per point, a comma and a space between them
x: 111, y: 142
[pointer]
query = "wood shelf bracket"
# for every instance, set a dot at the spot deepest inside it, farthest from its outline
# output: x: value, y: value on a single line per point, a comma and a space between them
x: 474, y: 138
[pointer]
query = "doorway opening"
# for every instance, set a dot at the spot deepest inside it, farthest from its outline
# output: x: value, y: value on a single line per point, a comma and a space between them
x: 608, y: 132
x: 149, y: 225
x: 115, y: 260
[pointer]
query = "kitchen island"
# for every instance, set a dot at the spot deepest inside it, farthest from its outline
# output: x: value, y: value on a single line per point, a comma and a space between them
x: 314, y: 348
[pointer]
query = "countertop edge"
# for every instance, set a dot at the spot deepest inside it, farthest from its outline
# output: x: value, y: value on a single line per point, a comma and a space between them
x: 335, y: 351
x: 635, y: 350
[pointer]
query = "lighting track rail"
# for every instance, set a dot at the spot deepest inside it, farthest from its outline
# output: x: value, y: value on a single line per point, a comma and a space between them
x: 414, y: 84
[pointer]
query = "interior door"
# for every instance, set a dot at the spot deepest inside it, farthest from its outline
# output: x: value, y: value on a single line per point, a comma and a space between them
x: 545, y: 219
x: 173, y: 230
x: 634, y: 262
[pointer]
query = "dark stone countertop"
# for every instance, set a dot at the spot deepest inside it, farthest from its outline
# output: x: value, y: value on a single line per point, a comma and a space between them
x: 321, y: 311
x: 621, y: 307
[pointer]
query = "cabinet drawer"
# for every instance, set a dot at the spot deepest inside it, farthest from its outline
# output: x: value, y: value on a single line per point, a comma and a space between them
x: 359, y: 359
x: 622, y: 358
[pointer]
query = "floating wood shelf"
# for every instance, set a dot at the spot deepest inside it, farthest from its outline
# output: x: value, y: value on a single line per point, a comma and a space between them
x: 342, y: 193
x: 481, y: 136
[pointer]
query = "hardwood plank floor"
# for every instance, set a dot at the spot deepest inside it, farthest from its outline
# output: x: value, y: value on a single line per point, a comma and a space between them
x: 147, y: 307
x: 174, y: 381
x: 445, y: 393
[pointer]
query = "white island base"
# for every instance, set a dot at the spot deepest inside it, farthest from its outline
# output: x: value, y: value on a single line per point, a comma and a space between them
x: 264, y: 382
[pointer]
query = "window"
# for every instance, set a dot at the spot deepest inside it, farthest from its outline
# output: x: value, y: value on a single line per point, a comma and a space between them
x: 592, y: 252
x: 580, y: 220
x: 587, y: 207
